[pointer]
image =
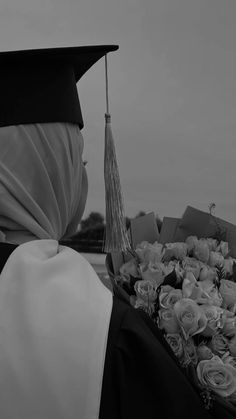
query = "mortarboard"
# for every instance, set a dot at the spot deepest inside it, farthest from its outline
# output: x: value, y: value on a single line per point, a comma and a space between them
x: 39, y: 86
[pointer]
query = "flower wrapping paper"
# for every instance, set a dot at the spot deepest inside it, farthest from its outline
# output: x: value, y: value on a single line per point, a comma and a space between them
x: 202, y: 224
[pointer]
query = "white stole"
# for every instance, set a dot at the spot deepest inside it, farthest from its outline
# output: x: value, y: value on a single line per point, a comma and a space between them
x: 54, y: 320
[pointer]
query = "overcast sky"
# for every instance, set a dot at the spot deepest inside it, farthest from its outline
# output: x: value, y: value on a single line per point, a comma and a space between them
x: 172, y: 94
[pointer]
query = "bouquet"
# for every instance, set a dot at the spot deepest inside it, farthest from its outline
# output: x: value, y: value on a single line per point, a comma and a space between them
x: 189, y: 291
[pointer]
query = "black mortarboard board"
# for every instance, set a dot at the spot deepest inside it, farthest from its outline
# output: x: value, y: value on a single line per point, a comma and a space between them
x: 39, y: 86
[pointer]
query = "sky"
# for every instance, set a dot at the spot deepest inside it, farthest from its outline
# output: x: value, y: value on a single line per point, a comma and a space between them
x: 172, y: 93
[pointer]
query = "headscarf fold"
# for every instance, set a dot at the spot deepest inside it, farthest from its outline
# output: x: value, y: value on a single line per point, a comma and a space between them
x: 54, y: 320
x: 43, y: 183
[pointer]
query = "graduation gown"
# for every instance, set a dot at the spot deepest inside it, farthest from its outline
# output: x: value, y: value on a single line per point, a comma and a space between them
x: 141, y: 377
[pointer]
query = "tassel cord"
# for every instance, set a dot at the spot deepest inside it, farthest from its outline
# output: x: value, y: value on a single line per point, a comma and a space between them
x: 116, y: 233
x: 106, y: 79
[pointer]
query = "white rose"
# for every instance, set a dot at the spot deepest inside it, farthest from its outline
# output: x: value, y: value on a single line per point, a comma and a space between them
x: 146, y: 290
x: 229, y: 325
x: 213, y: 315
x: 148, y: 252
x: 232, y: 346
x: 216, y: 259
x: 207, y: 273
x: 190, y: 286
x: 152, y: 271
x: 146, y: 306
x: 204, y: 352
x: 176, y: 250
x: 191, y: 241
x: 211, y: 294
x: 203, y: 292
x: 192, y: 265
x: 130, y: 268
x: 229, y: 359
x: 190, y: 317
x: 169, y: 296
x: 175, y: 342
x: 228, y: 265
x: 190, y: 353
x: 167, y: 268
x: 174, y: 265
x: 201, y: 251
x: 212, y: 244
x: 219, y: 344
x: 219, y: 377
x: 223, y: 248
x: 228, y: 292
x: 168, y: 321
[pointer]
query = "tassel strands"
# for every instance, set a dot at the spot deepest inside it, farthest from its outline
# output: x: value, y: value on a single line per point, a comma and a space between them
x: 116, y: 239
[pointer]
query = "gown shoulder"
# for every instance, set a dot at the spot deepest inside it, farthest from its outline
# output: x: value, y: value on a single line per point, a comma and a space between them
x: 141, y: 378
x: 141, y: 375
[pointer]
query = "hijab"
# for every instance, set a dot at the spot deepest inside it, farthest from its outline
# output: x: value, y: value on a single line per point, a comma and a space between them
x: 54, y: 310
x: 43, y: 183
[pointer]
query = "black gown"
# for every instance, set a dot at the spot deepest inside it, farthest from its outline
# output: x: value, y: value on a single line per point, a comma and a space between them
x: 141, y: 378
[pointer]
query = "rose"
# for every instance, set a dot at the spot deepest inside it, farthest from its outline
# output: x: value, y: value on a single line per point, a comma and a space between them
x: 201, y: 251
x: 212, y: 244
x: 174, y: 265
x: 219, y: 344
x: 175, y: 342
x: 228, y: 292
x: 175, y: 250
x: 122, y: 279
x: 229, y: 324
x: 130, y: 268
x: 191, y: 241
x: 228, y: 266
x: 168, y: 321
x: 204, y: 352
x: 217, y: 376
x: 190, y: 287
x: 153, y: 272
x: 203, y: 292
x: 148, y: 252
x: 210, y: 294
x: 232, y: 308
x: 192, y: 265
x: 223, y: 248
x: 232, y: 346
x: 167, y: 269
x: 147, y: 306
x: 190, y: 353
x: 207, y: 273
x: 213, y: 315
x: 216, y: 259
x: 228, y: 359
x: 190, y: 317
x: 146, y: 290
x: 168, y: 296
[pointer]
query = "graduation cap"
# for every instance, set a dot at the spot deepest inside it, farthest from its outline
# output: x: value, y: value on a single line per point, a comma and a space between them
x: 39, y: 86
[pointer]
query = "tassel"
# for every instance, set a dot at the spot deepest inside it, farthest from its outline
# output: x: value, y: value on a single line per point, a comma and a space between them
x: 116, y: 238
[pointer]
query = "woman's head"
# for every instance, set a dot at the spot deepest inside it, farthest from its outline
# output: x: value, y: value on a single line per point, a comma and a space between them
x: 43, y: 183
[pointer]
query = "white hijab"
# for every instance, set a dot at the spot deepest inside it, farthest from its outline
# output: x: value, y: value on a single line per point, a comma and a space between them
x: 54, y: 310
x: 42, y: 181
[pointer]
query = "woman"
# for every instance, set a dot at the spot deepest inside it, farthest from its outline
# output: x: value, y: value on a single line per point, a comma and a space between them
x: 68, y: 349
